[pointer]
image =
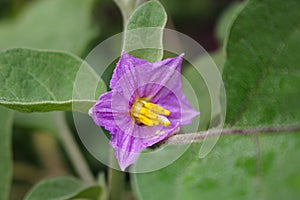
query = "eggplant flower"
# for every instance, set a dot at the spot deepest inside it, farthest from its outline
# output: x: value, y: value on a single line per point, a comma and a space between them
x: 145, y: 105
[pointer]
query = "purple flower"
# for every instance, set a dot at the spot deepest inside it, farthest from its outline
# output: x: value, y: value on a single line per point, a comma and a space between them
x: 145, y: 105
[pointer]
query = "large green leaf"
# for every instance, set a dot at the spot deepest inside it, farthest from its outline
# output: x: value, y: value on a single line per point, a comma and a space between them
x: 235, y: 170
x: 144, y: 31
x: 51, y: 24
x: 41, y: 81
x: 262, y: 80
x: 229, y: 172
x: 63, y: 188
x: 5, y: 152
x: 262, y: 74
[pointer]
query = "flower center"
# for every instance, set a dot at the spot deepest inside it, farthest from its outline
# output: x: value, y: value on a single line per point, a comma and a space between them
x: 149, y: 114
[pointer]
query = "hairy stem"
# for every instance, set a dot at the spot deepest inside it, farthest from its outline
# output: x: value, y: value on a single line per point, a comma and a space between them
x: 198, y: 137
x: 73, y: 150
x: 115, y: 181
x: 127, y: 7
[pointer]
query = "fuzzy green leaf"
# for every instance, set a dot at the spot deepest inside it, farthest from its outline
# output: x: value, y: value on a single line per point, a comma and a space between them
x: 63, y: 188
x: 229, y: 172
x: 42, y: 81
x: 91, y: 193
x: 262, y: 74
x: 144, y: 31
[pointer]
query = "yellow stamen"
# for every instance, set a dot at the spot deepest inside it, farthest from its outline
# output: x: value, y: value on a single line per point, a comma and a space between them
x: 146, y: 121
x: 156, y: 108
x: 149, y: 114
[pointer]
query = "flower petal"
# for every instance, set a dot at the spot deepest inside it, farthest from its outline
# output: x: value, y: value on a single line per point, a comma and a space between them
x: 148, y: 79
x: 165, y: 73
x: 124, y: 66
x: 107, y: 112
x: 127, y: 146
x: 182, y: 112
x: 173, y: 63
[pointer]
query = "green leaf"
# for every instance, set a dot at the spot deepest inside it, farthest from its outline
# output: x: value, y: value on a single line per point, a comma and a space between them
x: 233, y: 173
x: 92, y: 193
x: 55, y: 188
x: 229, y: 172
x: 144, y: 31
x: 6, y: 117
x: 262, y: 73
x: 63, y: 188
x: 41, y: 81
x: 262, y: 79
x: 51, y: 24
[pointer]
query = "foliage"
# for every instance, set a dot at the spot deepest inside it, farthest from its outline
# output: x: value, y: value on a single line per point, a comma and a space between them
x: 49, y: 78
x: 63, y: 188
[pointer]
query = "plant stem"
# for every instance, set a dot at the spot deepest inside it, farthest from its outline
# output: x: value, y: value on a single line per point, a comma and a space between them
x: 198, y: 137
x: 115, y: 181
x: 73, y: 150
x: 127, y: 7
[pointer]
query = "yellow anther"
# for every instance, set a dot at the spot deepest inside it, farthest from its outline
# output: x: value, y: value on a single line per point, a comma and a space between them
x: 157, y: 109
x: 149, y: 114
x: 167, y: 123
x: 146, y: 121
